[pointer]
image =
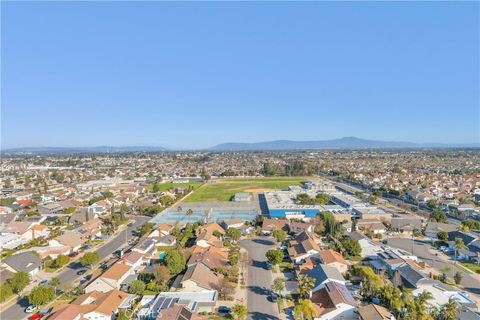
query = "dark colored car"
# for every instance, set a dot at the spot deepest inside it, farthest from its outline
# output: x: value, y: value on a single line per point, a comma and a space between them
x: 224, y: 309
x: 273, y: 298
x: 82, y: 271
x: 73, y: 254
x: 268, y: 266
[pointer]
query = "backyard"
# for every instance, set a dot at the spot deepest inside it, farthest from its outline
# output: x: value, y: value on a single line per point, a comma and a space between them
x: 223, y: 190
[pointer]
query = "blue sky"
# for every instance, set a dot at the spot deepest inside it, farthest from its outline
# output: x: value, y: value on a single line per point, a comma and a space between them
x: 196, y: 74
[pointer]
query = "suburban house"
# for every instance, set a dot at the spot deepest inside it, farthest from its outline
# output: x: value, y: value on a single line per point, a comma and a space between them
x: 50, y: 209
x: 111, y: 279
x: 471, y: 241
x: 178, y: 312
x: 333, y: 259
x: 152, y: 306
x: 442, y: 293
x: 269, y: 225
x: 209, y: 258
x: 323, y: 274
x: 374, y: 312
x: 299, y: 227
x: 70, y: 239
x: 433, y: 228
x: 133, y: 259
x: 23, y: 262
x: 406, y: 225
x: 162, y: 230
x: 165, y: 241
x: 334, y: 301
x: 410, y: 277
x: 198, y: 277
x: 373, y: 226
x: 145, y: 247
x: 94, y: 305
x: 206, y: 236
x: 91, y: 229
x: 303, y: 247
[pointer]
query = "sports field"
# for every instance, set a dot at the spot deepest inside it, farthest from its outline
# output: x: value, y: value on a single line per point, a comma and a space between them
x: 169, y: 185
x: 223, y: 190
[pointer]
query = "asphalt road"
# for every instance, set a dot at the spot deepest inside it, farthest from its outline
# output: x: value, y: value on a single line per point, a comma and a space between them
x: 69, y: 275
x: 421, y: 250
x: 259, y: 280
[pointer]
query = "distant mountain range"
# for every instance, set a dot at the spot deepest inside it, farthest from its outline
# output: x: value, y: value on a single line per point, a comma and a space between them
x: 342, y: 143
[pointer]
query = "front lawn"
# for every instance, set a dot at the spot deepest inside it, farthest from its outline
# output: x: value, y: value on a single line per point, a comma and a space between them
x: 472, y: 266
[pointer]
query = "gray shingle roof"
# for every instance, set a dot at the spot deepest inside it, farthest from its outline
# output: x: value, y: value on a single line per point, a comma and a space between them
x: 25, y: 261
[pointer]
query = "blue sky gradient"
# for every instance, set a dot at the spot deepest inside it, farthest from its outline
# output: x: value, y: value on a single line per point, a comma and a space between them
x: 191, y: 75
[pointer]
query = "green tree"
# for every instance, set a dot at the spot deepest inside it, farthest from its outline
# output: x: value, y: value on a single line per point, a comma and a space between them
x: 352, y: 247
x: 304, y: 309
x: 175, y: 261
x: 459, y: 245
x: 161, y: 274
x: 61, y: 260
x: 137, y: 287
x: 457, y: 278
x: 442, y: 235
x: 305, y: 285
x: 5, y: 292
x: 449, y: 310
x: 146, y: 228
x: 233, y: 233
x: 54, y: 282
x: 438, y: 216
x: 279, y: 235
x: 156, y: 187
x: 239, y: 311
x: 274, y: 256
x: 41, y: 295
x: 19, y: 281
x: 122, y: 315
x: 278, y: 285
x: 89, y: 259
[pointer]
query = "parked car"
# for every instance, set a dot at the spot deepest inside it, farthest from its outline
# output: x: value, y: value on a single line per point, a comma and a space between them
x: 268, y: 266
x: 224, y: 309
x: 273, y: 297
x: 43, y: 283
x: 30, y: 308
x: 81, y: 271
x: 45, y: 311
x: 87, y: 247
x: 73, y: 254
x: 35, y: 316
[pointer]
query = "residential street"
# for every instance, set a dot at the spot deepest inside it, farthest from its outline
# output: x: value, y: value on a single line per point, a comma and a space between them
x: 421, y: 249
x: 69, y: 275
x: 259, y: 280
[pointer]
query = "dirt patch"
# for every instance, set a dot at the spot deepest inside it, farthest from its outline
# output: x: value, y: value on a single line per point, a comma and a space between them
x: 258, y: 190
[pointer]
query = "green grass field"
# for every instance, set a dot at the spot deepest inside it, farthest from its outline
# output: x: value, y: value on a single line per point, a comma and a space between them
x: 169, y: 185
x: 223, y: 190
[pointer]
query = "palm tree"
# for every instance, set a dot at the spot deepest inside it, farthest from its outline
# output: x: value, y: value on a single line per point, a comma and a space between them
x: 449, y: 310
x: 305, y: 285
x: 304, y: 309
x: 459, y: 245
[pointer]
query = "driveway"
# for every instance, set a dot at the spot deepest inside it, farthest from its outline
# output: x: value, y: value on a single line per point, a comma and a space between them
x: 421, y: 250
x: 69, y: 275
x: 259, y: 280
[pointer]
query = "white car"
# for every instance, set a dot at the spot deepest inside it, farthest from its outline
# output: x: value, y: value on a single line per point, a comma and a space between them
x: 30, y: 308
